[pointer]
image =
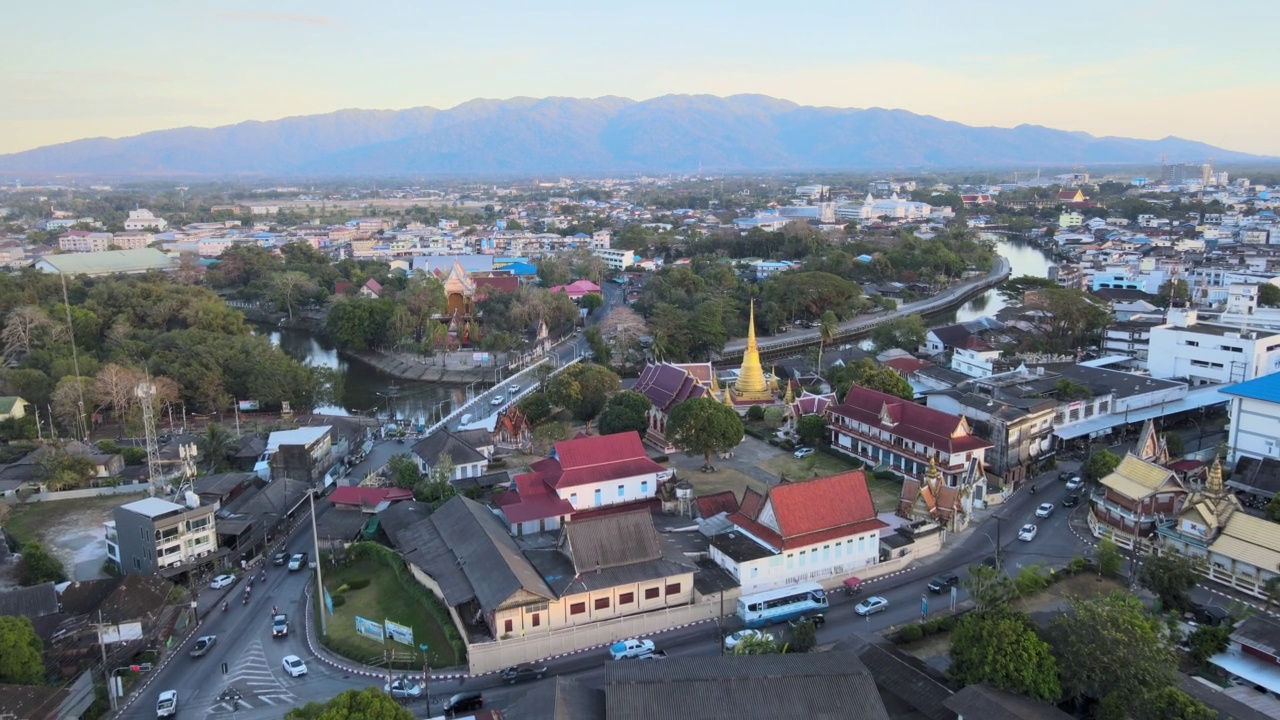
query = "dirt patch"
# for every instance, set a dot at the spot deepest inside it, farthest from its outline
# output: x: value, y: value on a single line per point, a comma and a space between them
x: 816, y: 465
x: 69, y: 529
x: 722, y: 479
x: 1085, y: 585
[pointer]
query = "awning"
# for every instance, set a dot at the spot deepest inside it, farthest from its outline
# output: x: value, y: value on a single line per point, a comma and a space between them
x: 1249, y: 668
x: 1195, y: 399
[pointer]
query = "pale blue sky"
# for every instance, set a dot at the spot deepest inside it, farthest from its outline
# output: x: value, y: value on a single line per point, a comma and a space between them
x: 1201, y: 70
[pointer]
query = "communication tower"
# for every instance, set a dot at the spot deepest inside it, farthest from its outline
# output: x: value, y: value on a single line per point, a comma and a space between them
x: 146, y: 394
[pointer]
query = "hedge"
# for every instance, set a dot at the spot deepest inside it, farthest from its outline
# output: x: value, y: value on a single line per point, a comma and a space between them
x: 386, y: 556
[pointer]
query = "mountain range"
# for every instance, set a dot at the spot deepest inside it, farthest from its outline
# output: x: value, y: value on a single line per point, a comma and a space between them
x: 522, y: 136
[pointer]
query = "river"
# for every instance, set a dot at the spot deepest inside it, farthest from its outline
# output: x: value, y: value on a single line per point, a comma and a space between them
x: 365, y: 390
x: 1024, y: 259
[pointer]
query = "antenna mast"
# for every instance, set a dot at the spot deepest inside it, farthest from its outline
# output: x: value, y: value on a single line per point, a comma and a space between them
x: 146, y: 393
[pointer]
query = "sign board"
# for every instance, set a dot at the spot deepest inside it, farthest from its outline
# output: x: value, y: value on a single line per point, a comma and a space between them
x: 369, y: 629
x: 122, y: 632
x: 400, y: 633
x: 247, y: 405
x: 480, y: 357
x: 328, y: 600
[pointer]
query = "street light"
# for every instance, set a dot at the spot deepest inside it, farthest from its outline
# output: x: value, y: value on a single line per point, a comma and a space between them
x: 470, y: 394
x: 436, y: 412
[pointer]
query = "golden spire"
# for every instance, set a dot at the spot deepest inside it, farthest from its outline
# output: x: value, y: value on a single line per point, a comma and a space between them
x: 727, y: 399
x: 1213, y: 484
x: 933, y: 476
x: 790, y: 397
x: 750, y: 384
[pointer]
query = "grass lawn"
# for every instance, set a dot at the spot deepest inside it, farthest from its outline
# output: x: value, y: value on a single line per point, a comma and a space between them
x: 722, y: 479
x: 35, y: 521
x: 382, y: 599
x: 884, y: 493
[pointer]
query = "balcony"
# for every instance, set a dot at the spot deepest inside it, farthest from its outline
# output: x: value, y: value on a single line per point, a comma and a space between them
x: 891, y: 447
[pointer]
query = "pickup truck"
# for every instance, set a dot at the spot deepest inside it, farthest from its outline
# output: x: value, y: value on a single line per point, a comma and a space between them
x: 655, y: 655
x: 203, y: 644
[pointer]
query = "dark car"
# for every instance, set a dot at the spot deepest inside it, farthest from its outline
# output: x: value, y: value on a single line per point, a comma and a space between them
x: 943, y: 581
x: 1211, y: 615
x: 522, y: 673
x: 462, y: 702
x: 818, y: 620
x: 1071, y: 501
x: 280, y: 558
x: 280, y: 625
x: 1065, y: 475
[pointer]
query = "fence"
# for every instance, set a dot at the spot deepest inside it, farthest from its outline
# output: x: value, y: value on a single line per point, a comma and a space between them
x: 131, y: 488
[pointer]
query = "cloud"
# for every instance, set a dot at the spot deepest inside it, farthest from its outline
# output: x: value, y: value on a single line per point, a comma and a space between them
x: 285, y: 18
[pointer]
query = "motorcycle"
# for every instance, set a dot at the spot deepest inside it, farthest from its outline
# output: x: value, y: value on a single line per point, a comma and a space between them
x: 1033, y: 489
x: 245, y: 599
x: 224, y: 606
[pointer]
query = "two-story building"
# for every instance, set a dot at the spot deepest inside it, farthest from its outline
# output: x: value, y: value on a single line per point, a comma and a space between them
x: 158, y: 536
x: 801, y: 532
x: 1019, y: 429
x: 1253, y: 653
x: 1133, y: 500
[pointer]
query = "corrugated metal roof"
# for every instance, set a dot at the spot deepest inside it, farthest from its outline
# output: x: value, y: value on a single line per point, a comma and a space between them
x: 110, y: 261
x: 1265, y: 388
x: 558, y: 699
x: 988, y: 703
x: 1136, y: 478
x: 612, y: 541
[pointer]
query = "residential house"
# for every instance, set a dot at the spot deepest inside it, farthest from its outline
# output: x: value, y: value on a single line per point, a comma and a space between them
x: 667, y: 385
x: 145, y: 220
x: 12, y: 407
x: 153, y: 535
x: 582, y: 474
x: 801, y: 532
x: 975, y: 358
x: 945, y: 339
x: 577, y: 289
x: 1202, y: 353
x: 614, y: 258
x: 1131, y: 339
x: 1020, y: 430
x: 370, y: 500
x: 1254, y: 409
x: 372, y: 289
x: 304, y: 454
x: 1134, y: 499
x: 467, y: 462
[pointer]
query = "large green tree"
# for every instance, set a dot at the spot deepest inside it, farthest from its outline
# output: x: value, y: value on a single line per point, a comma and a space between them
x: 906, y: 332
x: 1100, y: 465
x: 20, y: 652
x: 360, y: 323
x: 1002, y: 649
x: 1170, y: 576
x: 1111, y: 644
x: 583, y: 389
x: 626, y: 411
x: 990, y: 589
x: 866, y: 373
x: 1171, y: 703
x: 38, y: 566
x: 370, y: 702
x: 811, y: 428
x: 704, y: 426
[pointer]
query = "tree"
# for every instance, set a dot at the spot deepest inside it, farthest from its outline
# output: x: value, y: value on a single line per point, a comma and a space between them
x: 625, y: 411
x: 1268, y: 295
x: 1171, y: 703
x: 1110, y: 644
x: 215, y: 445
x: 535, y: 407
x: 1108, y: 557
x: 404, y: 472
x: 435, y: 487
x: 1170, y: 575
x: 907, y: 332
x: 866, y: 373
x: 811, y: 428
x: 370, y: 702
x: 1100, y: 465
x: 1002, y: 649
x: 803, y: 636
x: 1176, y: 289
x: 703, y: 425
x: 828, y: 326
x: 591, y: 301
x: 38, y: 566
x: 25, y: 328
x: 21, y: 662
x: 1173, y: 441
x: 552, y: 272
x: 288, y: 289
x: 757, y: 645
x: 583, y: 389
x: 61, y: 470
x: 595, y: 340
x: 989, y: 588
x: 1068, y: 319
x: 1206, y: 641
x: 1014, y: 290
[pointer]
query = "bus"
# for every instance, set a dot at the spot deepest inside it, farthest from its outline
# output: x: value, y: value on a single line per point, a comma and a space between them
x: 781, y: 605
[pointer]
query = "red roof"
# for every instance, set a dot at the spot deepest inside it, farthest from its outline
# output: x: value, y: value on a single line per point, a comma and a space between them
x: 722, y: 502
x: 815, y: 511
x: 752, y: 503
x: 577, y: 288
x: 906, y: 365
x: 595, y: 459
x: 368, y: 496
x: 502, y: 283
x: 532, y: 500
x: 925, y: 425
x: 342, y: 287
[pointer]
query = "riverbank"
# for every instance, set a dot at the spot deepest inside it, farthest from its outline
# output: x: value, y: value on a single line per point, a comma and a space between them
x: 453, y: 369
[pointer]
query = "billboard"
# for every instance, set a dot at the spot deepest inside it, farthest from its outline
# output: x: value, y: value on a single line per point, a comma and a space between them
x: 369, y: 629
x: 121, y: 632
x: 400, y: 633
x: 248, y: 405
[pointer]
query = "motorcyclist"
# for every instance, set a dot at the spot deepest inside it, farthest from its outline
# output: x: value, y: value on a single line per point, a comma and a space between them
x: 224, y: 606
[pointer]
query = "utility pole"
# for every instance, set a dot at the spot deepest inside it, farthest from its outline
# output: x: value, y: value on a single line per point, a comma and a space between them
x: 106, y: 670
x: 315, y: 541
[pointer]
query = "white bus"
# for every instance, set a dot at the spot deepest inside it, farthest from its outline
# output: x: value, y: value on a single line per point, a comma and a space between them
x: 781, y: 605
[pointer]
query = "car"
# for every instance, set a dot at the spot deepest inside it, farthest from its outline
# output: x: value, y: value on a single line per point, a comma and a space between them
x: 203, y: 644
x: 1045, y: 510
x: 943, y: 581
x: 462, y: 702
x: 624, y: 649
x: 1075, y: 483
x: 1028, y: 532
x: 1211, y: 615
x: 655, y: 655
x: 871, y: 605
x: 1065, y: 475
x: 732, y: 640
x: 280, y: 625
x: 803, y: 452
x: 294, y: 665
x: 222, y: 581
x: 513, y: 388
x: 497, y: 400
x: 297, y: 562
x: 167, y: 704
x: 403, y: 687
x: 1071, y: 501
x: 280, y: 559
x: 521, y: 673
x: 818, y: 620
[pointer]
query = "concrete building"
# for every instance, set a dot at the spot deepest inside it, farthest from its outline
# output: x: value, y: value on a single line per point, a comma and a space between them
x: 145, y: 220
x: 1201, y: 353
x: 614, y: 259
x: 83, y: 241
x: 110, y: 262
x: 1254, y: 409
x: 1020, y: 430
x: 155, y: 535
x: 304, y: 455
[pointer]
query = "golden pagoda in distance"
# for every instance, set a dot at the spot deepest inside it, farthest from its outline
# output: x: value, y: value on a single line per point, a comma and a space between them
x: 751, y: 388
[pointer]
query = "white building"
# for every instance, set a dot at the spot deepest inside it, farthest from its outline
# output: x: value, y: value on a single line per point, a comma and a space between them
x: 1255, y: 416
x: 152, y: 534
x: 145, y: 220
x: 782, y: 538
x: 1242, y: 310
x: 601, y: 239
x: 1202, y: 353
x: 615, y: 259
x: 1070, y: 219
x: 85, y: 241
x: 892, y: 207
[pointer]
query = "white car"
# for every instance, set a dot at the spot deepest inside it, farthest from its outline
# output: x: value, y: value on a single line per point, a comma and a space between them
x: 167, y: 704
x: 1075, y: 483
x: 497, y: 400
x: 1045, y: 510
x: 513, y: 389
x: 624, y: 649
x: 403, y: 687
x: 733, y: 640
x: 294, y: 665
x: 222, y: 581
x: 297, y: 561
x: 802, y: 452
x: 873, y: 604
x: 1028, y: 532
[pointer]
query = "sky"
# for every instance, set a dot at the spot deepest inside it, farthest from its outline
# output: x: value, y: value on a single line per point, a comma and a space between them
x: 1134, y: 68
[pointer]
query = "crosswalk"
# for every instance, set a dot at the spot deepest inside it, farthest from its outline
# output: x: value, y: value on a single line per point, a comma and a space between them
x: 252, y: 683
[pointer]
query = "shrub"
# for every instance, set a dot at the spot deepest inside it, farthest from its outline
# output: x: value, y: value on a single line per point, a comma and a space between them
x: 343, y: 588
x: 911, y: 633
x: 338, y: 600
x: 1077, y: 565
x: 1031, y: 580
x: 755, y: 412
x: 358, y: 584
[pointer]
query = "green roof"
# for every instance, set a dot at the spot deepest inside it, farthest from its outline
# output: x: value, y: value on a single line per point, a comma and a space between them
x: 106, y: 263
x: 7, y: 402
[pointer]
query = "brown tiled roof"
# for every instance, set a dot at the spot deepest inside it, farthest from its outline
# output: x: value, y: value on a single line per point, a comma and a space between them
x: 752, y: 503
x: 724, y: 501
x: 135, y: 597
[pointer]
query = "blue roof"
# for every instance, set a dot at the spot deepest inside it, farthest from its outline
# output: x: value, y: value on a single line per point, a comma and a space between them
x: 1265, y: 388
x: 581, y: 235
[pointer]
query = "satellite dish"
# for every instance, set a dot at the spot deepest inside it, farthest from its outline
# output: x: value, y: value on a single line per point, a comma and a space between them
x: 193, y: 500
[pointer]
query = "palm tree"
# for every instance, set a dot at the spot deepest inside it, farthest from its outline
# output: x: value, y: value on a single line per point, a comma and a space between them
x: 215, y: 445
x: 828, y: 326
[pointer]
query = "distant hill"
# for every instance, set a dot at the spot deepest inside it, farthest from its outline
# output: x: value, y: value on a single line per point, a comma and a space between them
x: 608, y: 134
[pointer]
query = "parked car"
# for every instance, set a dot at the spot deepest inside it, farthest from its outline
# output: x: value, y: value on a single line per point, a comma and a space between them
x: 1045, y: 510
x: 871, y: 605
x: 462, y: 702
x: 734, y: 639
x: 403, y: 687
x: 497, y: 400
x: 222, y: 581
x: 1075, y: 483
x: 1065, y: 475
x: 167, y: 704
x: 624, y: 649
x: 818, y: 620
x: 279, y: 625
x: 1211, y: 615
x: 297, y: 562
x: 203, y: 643
x: 521, y: 673
x: 1028, y: 532
x: 1071, y: 501
x: 280, y: 559
x: 943, y: 581
x: 294, y: 666
x: 803, y: 452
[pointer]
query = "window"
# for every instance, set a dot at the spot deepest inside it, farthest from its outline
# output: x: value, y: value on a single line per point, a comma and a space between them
x: 622, y: 491
x: 802, y: 557
x: 754, y: 572
x: 602, y: 603
x: 1193, y: 343
x: 537, y: 620
x: 626, y: 598
x: 839, y: 547
x: 577, y: 608
x: 651, y: 593
x: 573, y: 499
x: 826, y: 552
x: 597, y: 497
x: 644, y: 487
x: 507, y: 627
x: 673, y: 589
